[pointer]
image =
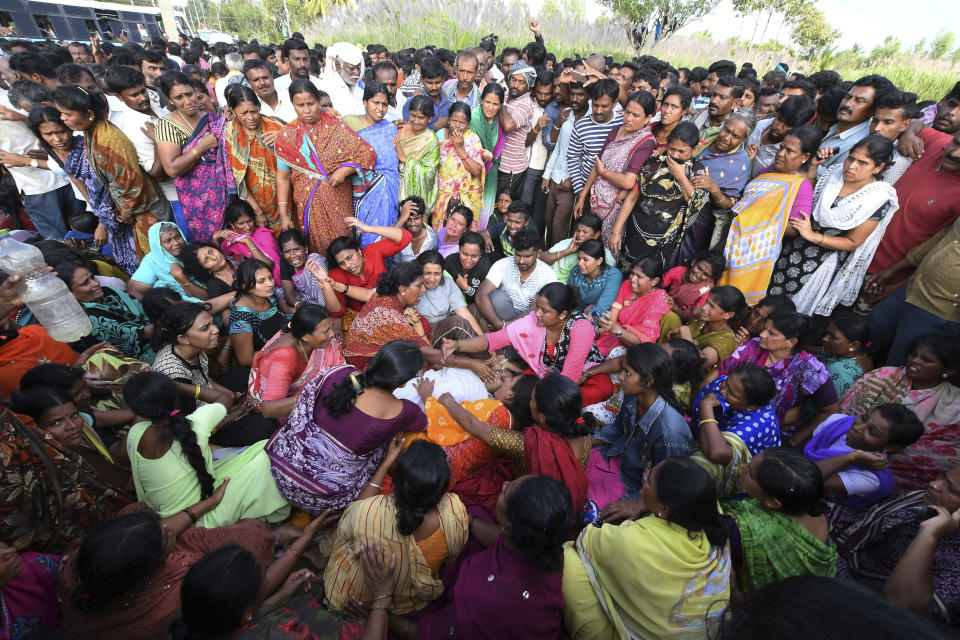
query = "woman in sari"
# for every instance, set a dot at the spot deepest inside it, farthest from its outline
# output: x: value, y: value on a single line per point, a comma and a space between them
x: 635, y: 315
x: 190, y: 144
x: 666, y: 575
x: 710, y: 330
x: 50, y: 495
x: 113, y: 158
x: 554, y: 338
x: 290, y: 359
x: 873, y: 542
x: 844, y: 350
x: 376, y: 192
x: 735, y: 422
x: 623, y: 155
x: 825, y: 263
x: 779, y: 532
x: 422, y: 524
x: 460, y: 176
x: 761, y: 217
x: 254, y: 315
x: 418, y: 150
x: 162, y: 266
x: 316, y: 155
x: 657, y: 212
x: 485, y: 122
x: 799, y: 376
x: 117, y: 317
x: 68, y: 151
x: 330, y: 447
x: 28, y: 591
x: 249, y: 139
x: 303, y: 275
x: 726, y: 167
x: 924, y: 387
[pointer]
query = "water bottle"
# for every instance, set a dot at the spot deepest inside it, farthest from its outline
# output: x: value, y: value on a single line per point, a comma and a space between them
x: 46, y: 295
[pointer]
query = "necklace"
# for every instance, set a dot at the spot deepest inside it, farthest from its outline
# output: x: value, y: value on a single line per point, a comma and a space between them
x: 180, y: 355
x: 303, y: 350
x: 183, y: 119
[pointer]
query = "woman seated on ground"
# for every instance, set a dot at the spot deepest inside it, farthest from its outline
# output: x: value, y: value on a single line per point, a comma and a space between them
x: 924, y: 386
x: 559, y: 442
x: 647, y: 430
x: 291, y: 359
x: 554, y: 338
x: 54, y: 411
x: 186, y: 331
x: 897, y: 548
x: 28, y: 589
x: 688, y: 287
x: 458, y: 220
x: 844, y: 350
x: 662, y: 576
x: 852, y: 452
x: 332, y: 443
x: 477, y: 472
x: 734, y: 422
x: 98, y: 406
x: 442, y: 304
x: 635, y: 315
x: 124, y: 579
x: 799, y: 376
x: 687, y: 370
x: 116, y: 316
x: 391, y: 314
x: 354, y: 272
x: 596, y: 282
x: 523, y: 554
x: 421, y: 523
x: 205, y: 262
x: 243, y: 238
x: 162, y: 267
x: 172, y: 463
x: 303, y: 275
x: 752, y: 322
x: 710, y: 329
x: 254, y: 319
x: 779, y: 531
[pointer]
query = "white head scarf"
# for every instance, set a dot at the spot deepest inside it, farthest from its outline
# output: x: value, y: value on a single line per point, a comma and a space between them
x: 345, y: 52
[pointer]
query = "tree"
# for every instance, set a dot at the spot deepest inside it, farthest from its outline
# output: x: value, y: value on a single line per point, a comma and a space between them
x: 886, y: 51
x: 812, y: 33
x: 648, y: 22
x: 942, y: 44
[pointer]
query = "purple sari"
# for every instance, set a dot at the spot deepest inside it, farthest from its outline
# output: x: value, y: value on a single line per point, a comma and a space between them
x: 499, y: 594
x: 819, y: 449
x: 120, y: 235
x: 205, y: 190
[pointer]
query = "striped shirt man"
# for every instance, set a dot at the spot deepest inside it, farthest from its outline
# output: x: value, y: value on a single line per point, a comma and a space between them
x: 514, y: 159
x: 585, y: 143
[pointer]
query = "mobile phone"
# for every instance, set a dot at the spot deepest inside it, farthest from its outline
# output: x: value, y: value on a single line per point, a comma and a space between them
x: 123, y: 32
x: 835, y: 151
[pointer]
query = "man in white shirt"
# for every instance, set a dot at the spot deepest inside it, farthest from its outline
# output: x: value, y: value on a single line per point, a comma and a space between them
x: 296, y: 55
x: 234, y: 62
x: 341, y: 78
x: 513, y: 282
x: 48, y: 198
x: 136, y: 117
x: 537, y: 151
x: 272, y: 102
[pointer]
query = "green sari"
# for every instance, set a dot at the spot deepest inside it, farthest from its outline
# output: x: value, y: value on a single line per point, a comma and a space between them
x: 775, y: 547
x: 492, y: 138
x: 418, y: 173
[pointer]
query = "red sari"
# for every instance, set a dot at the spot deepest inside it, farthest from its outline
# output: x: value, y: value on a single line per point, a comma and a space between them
x: 549, y: 453
x: 380, y: 320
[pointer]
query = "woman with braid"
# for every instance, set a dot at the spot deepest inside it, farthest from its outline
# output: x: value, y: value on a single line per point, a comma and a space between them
x: 172, y: 465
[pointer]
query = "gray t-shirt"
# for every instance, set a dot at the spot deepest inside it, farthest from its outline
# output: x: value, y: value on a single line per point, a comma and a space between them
x: 437, y: 304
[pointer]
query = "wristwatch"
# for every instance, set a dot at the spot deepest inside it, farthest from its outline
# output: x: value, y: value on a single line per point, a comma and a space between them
x: 34, y: 163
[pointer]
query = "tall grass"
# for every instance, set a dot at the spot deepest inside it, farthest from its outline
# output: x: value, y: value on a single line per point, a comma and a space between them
x: 456, y: 24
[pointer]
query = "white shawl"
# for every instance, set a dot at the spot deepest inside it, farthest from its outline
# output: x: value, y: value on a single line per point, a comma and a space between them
x: 829, y: 286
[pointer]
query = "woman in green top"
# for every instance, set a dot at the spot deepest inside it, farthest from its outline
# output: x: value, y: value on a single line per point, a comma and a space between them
x: 779, y: 532
x: 485, y: 122
x: 172, y: 464
x: 418, y: 151
x: 710, y: 329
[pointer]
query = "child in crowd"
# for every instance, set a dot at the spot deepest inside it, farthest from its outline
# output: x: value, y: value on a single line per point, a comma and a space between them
x: 83, y: 228
x: 244, y: 239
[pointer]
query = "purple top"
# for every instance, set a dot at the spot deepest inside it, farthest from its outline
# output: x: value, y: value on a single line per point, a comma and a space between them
x: 356, y: 430
x: 804, y: 200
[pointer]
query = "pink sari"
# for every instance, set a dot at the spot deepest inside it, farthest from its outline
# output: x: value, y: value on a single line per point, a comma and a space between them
x: 641, y: 317
x: 615, y: 156
x: 320, y: 361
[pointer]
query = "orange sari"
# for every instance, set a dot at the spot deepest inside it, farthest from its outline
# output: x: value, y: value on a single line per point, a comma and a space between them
x: 254, y: 165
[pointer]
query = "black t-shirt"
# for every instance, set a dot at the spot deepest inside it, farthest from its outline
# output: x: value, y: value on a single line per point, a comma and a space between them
x: 286, y: 271
x: 217, y: 287
x: 474, y: 277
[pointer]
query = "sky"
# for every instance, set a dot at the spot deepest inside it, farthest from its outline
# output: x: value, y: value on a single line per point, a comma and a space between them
x: 866, y: 22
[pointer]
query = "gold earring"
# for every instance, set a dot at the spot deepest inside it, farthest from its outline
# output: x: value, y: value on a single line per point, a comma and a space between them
x: 659, y: 514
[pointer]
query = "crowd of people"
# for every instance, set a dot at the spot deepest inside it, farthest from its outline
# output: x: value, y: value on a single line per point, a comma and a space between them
x: 476, y: 344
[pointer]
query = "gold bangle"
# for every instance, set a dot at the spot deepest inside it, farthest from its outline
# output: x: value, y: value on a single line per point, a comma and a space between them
x: 705, y: 420
x: 195, y: 156
x: 196, y: 394
x: 293, y: 552
x: 379, y: 607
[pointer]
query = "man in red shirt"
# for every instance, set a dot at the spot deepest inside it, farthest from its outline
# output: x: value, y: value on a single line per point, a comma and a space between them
x: 929, y: 197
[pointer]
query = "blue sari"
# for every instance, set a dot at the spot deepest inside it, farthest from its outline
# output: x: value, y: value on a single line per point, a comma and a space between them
x: 376, y: 193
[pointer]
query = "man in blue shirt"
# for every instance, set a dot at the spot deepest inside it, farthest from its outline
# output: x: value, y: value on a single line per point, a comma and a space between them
x: 853, y: 119
x: 432, y: 75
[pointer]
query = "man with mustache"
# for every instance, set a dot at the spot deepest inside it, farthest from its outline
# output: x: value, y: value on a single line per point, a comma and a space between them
x: 725, y: 98
x: 768, y: 135
x: 272, y: 102
x: 853, y: 119
x: 296, y: 55
x: 516, y: 118
x: 341, y: 78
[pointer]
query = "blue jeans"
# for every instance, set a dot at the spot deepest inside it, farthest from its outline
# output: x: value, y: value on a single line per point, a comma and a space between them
x: 895, y: 323
x: 49, y: 211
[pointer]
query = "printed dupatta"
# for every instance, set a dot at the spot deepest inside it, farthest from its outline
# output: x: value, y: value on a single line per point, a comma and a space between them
x: 254, y: 165
x: 205, y: 190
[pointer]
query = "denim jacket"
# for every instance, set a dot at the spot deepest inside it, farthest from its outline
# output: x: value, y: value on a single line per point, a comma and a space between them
x: 643, y: 442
